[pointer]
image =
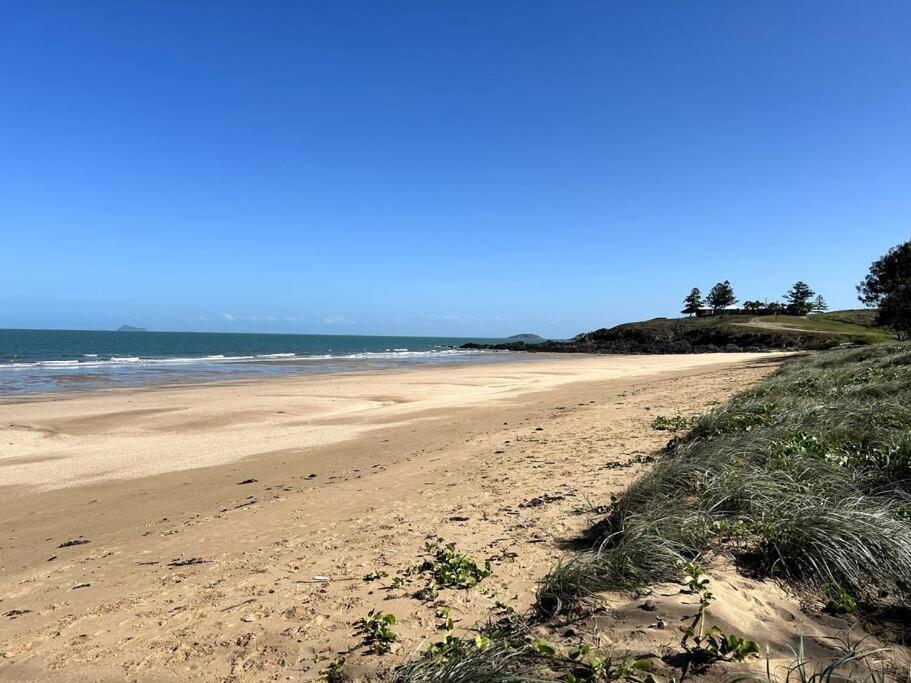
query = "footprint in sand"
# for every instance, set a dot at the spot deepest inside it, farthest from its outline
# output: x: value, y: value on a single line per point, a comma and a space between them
x: 784, y: 614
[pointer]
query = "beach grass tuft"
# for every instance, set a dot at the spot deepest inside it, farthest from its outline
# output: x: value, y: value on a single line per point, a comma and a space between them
x: 807, y: 476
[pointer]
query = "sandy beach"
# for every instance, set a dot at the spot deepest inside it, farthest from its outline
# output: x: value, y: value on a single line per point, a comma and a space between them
x: 222, y: 532
x: 60, y: 442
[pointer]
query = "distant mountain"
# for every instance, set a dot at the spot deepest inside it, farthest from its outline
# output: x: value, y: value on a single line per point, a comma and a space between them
x: 130, y: 328
x: 526, y: 336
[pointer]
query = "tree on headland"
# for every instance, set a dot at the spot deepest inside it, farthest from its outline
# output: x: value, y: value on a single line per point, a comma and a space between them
x: 798, y: 298
x: 888, y: 286
x: 753, y: 306
x: 693, y: 302
x: 721, y: 296
x: 820, y: 305
x: 775, y: 308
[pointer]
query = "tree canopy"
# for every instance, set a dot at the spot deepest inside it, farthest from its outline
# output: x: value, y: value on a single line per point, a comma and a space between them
x: 798, y: 298
x: 721, y: 296
x: 693, y: 302
x: 888, y: 286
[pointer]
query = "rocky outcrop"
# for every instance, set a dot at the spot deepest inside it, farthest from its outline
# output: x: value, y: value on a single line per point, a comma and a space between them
x: 685, y: 335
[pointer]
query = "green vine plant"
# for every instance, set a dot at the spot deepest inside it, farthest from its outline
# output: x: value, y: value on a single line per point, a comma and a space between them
x: 450, y: 568
x: 376, y: 629
x: 598, y: 668
x: 703, y: 646
x: 838, y: 601
x: 445, y: 622
x: 677, y: 423
x: 335, y: 671
x: 376, y: 575
x: 445, y: 567
x: 506, y: 649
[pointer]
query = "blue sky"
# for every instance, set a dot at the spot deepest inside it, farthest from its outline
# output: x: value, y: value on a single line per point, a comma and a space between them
x: 463, y: 168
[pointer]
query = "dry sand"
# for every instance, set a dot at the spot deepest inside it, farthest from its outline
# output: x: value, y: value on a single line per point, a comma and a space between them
x: 203, y: 514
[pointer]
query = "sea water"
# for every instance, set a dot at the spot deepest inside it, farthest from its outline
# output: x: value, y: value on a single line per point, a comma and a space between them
x: 33, y: 361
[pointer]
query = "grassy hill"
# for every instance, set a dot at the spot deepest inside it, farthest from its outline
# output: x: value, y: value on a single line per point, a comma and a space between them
x: 865, y: 317
x: 722, y: 333
x: 854, y: 323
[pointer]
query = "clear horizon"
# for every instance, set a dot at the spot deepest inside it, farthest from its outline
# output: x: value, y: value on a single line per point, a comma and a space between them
x: 454, y: 169
x: 306, y: 334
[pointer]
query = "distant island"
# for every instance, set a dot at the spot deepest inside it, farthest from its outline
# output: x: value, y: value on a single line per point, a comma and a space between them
x: 526, y: 336
x: 130, y: 328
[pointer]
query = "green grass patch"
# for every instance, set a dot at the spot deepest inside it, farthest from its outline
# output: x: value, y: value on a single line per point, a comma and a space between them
x: 865, y: 317
x: 825, y: 324
x: 807, y: 477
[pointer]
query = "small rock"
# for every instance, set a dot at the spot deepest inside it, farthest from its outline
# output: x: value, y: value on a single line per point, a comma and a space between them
x: 649, y: 605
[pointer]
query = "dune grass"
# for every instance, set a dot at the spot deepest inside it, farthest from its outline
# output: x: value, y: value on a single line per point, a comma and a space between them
x: 806, y: 477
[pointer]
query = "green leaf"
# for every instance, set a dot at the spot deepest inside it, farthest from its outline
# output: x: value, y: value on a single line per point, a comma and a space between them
x: 544, y: 647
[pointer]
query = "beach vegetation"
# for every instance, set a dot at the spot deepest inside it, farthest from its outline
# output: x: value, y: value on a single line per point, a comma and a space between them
x: 450, y: 568
x: 334, y: 672
x: 505, y: 649
x: 444, y: 618
x: 705, y: 646
x: 376, y: 631
x: 806, y: 477
x: 849, y: 663
x: 838, y: 600
x: 676, y: 423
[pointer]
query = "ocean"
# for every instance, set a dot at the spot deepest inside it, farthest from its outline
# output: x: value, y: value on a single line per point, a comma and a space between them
x: 37, y: 361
